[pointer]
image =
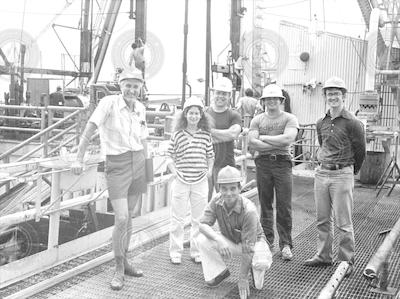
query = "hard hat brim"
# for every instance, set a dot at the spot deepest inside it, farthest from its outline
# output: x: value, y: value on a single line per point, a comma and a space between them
x: 133, y: 78
x: 334, y: 86
x: 229, y: 181
x: 282, y: 97
x: 221, y: 89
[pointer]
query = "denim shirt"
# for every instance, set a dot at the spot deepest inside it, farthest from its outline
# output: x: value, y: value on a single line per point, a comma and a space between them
x: 342, y: 140
x: 240, y: 225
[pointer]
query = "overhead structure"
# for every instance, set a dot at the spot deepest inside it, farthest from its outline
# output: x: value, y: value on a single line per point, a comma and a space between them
x: 105, y: 37
x: 141, y: 20
x: 86, y: 37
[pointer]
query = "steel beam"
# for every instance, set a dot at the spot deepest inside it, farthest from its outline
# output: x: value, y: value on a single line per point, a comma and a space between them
x: 141, y: 20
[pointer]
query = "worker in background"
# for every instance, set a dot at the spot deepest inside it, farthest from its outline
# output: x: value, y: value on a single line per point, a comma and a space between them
x: 121, y: 121
x: 342, y: 151
x: 136, y: 58
x: 240, y: 234
x: 191, y: 159
x: 271, y: 134
x: 225, y: 128
x: 57, y: 99
x: 246, y: 106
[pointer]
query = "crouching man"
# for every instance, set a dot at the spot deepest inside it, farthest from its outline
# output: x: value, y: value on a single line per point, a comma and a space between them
x: 240, y: 234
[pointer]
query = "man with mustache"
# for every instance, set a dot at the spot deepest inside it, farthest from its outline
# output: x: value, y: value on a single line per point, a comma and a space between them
x: 121, y: 121
x: 341, y: 137
x: 271, y: 134
x: 240, y: 234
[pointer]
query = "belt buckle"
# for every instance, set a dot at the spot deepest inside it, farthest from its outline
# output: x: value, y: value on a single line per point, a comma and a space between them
x: 273, y: 157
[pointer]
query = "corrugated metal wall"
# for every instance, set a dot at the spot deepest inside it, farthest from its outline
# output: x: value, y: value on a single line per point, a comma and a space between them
x: 330, y: 55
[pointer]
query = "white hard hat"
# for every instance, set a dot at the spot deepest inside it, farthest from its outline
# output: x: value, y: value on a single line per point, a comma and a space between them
x: 193, y: 101
x: 223, y: 84
x: 334, y: 82
x: 229, y: 174
x: 130, y: 75
x: 272, y: 91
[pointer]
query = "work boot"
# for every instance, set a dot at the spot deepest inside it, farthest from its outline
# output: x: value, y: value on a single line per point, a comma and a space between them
x: 217, y: 280
x: 287, y: 254
x: 131, y: 271
x: 117, y: 282
x: 316, y: 261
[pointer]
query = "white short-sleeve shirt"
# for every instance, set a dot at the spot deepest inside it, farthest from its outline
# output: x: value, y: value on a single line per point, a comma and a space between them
x: 120, y: 129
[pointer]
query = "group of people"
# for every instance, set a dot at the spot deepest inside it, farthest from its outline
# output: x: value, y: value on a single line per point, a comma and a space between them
x: 206, y: 181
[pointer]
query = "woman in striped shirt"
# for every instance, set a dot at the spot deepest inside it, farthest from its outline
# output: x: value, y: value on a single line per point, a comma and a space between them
x: 191, y: 160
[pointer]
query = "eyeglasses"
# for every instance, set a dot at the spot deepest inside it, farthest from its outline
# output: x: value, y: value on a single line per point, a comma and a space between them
x: 334, y: 94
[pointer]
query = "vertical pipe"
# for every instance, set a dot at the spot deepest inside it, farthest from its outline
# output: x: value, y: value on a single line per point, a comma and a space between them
x: 372, y: 38
x: 84, y: 64
x: 131, y: 15
x: 141, y: 20
x: 208, y: 56
x: 38, y: 198
x: 235, y: 28
x: 54, y: 222
x: 184, y: 64
x: 21, y: 90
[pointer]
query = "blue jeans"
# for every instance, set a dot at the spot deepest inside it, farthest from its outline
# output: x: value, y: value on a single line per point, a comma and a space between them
x: 334, y: 198
x: 275, y: 175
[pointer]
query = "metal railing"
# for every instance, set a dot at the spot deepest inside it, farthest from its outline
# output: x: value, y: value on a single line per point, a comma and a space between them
x: 49, y: 126
x: 306, y: 146
x: 54, y: 133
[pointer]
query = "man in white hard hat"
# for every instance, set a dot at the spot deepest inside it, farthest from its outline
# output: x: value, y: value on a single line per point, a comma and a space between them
x: 240, y: 234
x: 286, y: 103
x: 225, y: 128
x: 121, y: 122
x: 271, y: 134
x: 342, y: 151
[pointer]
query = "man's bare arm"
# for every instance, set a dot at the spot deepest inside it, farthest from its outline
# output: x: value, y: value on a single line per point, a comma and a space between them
x: 285, y: 139
x: 224, y: 135
x: 257, y: 144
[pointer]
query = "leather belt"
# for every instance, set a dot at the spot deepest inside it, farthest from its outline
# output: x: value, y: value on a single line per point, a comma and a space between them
x: 334, y: 166
x: 276, y: 157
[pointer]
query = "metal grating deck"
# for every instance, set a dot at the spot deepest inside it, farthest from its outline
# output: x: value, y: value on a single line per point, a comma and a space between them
x: 294, y: 280
x: 283, y: 280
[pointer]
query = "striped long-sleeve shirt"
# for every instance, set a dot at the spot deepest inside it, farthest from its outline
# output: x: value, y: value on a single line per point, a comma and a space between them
x: 190, y: 153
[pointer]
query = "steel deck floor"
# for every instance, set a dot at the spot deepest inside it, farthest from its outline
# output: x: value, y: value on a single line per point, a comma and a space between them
x: 283, y: 280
